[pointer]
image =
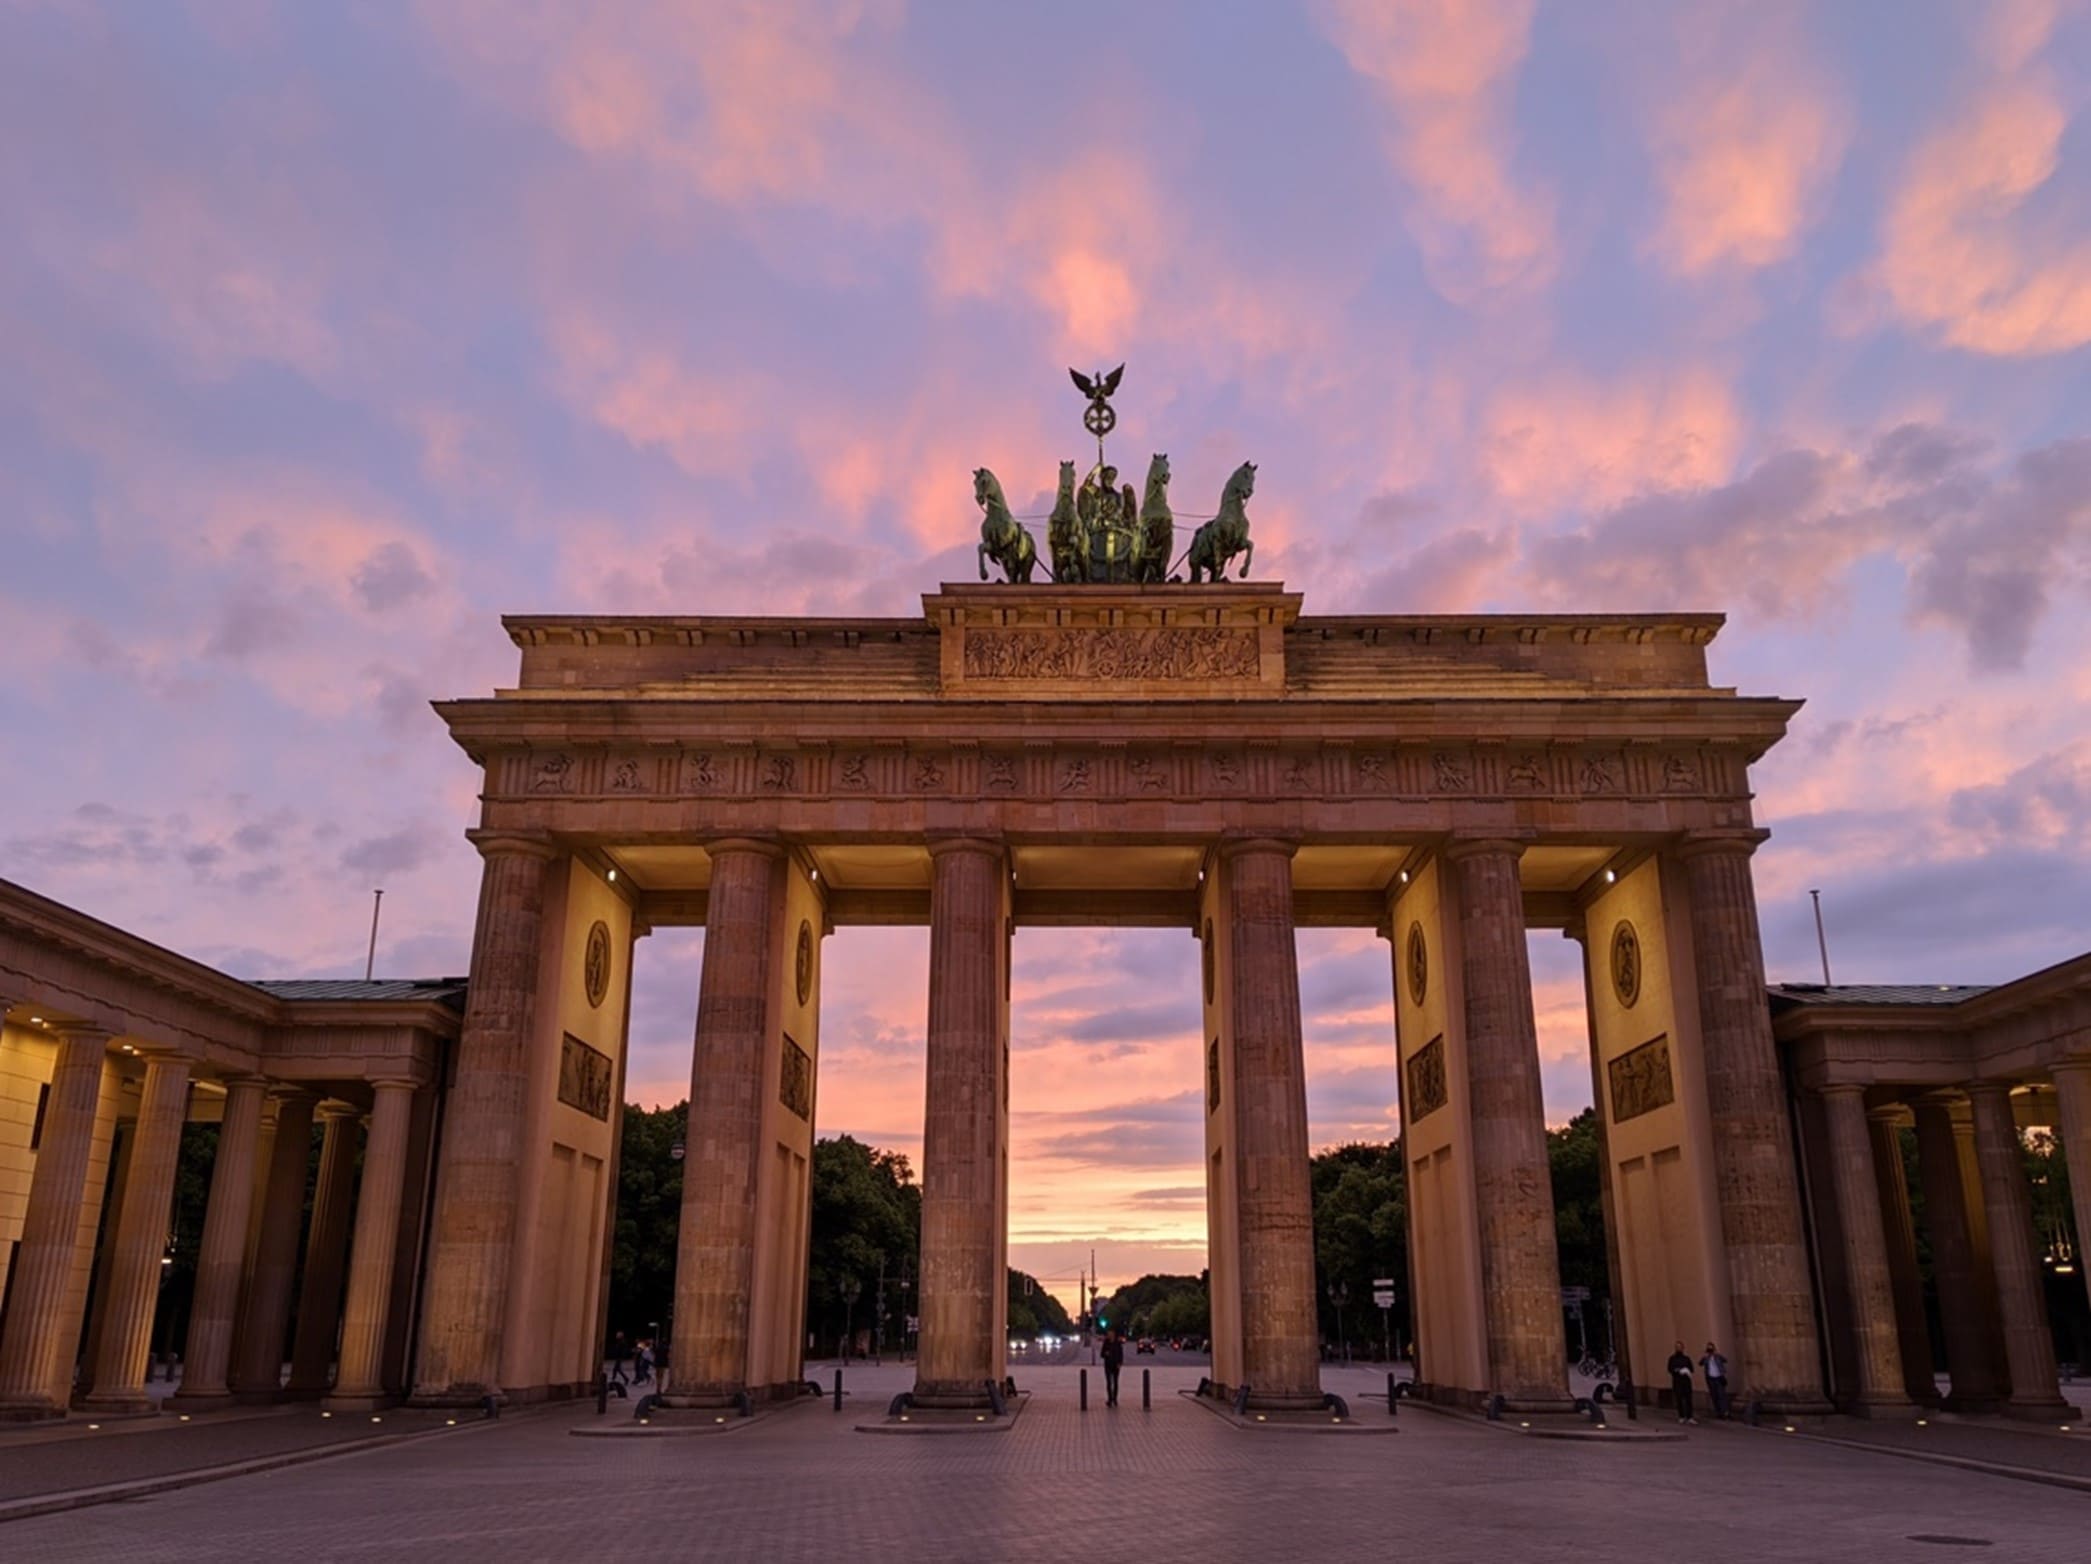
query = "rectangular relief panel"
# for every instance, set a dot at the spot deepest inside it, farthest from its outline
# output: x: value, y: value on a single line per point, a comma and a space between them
x: 795, y: 1079
x: 1427, y: 1091
x: 585, y: 1077
x: 1641, y: 1081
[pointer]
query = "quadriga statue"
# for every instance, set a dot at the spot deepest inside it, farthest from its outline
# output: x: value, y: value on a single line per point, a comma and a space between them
x: 1227, y: 534
x: 1065, y: 535
x: 1002, y: 537
x: 1157, y: 524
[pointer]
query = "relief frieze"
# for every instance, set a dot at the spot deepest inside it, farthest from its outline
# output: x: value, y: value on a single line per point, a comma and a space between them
x: 1162, y: 654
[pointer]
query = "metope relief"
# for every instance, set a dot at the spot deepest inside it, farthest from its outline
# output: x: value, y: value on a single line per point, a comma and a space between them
x: 1425, y: 1079
x: 584, y: 1078
x: 1640, y: 1080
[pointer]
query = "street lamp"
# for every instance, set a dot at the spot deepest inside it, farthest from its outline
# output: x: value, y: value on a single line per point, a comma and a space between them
x: 1339, y: 1295
x: 849, y: 1287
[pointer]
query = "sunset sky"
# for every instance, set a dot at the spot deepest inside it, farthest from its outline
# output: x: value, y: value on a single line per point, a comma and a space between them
x: 328, y: 333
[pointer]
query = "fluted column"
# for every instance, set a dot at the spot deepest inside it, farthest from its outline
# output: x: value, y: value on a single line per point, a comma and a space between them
x: 360, y: 1383
x: 2073, y: 1092
x: 1520, y: 1266
x: 265, y: 1317
x: 43, y: 1333
x: 1899, y: 1229
x: 465, y: 1299
x: 1777, y: 1356
x: 2029, y: 1348
x: 208, y: 1355
x: 715, y: 1249
x: 962, y: 1122
x: 1971, y: 1361
x: 1871, y: 1289
x: 141, y: 1241
x: 1281, y: 1333
x: 326, y: 1251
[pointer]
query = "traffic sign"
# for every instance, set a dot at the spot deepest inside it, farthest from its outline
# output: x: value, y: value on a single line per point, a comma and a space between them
x: 1383, y: 1299
x: 1571, y: 1296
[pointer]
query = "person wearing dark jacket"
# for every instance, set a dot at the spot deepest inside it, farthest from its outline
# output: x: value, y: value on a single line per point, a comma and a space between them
x: 1680, y: 1366
x: 1114, y: 1360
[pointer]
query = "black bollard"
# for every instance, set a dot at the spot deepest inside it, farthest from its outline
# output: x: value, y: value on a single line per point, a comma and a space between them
x: 838, y: 1390
x: 1393, y: 1396
x: 602, y: 1394
x: 1146, y: 1390
x: 1084, y: 1375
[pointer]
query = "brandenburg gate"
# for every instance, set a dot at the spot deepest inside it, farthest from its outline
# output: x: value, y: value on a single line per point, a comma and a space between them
x: 1196, y: 756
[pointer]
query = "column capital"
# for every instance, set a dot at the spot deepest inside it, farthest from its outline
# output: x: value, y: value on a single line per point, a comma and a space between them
x: 494, y: 843
x: 1977, y: 1090
x: 1702, y: 844
x: 2070, y: 1067
x: 941, y: 842
x: 1236, y: 846
x: 80, y: 1031
x: 1886, y: 1113
x: 405, y: 1083
x: 1456, y: 848
x: 282, y: 1095
x: 761, y: 846
x: 338, y: 1110
x: 1842, y: 1089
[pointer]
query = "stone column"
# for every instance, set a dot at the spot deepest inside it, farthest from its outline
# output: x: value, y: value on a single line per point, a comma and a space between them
x: 141, y: 1242
x: 359, y: 1385
x: 2029, y: 1348
x: 208, y: 1356
x: 1281, y: 1333
x: 1778, y: 1357
x: 715, y: 1248
x: 1899, y: 1229
x: 326, y: 1250
x: 1856, y: 1189
x: 962, y: 1122
x: 2073, y: 1094
x: 258, y: 1354
x: 1976, y: 1384
x: 465, y: 1299
x: 43, y: 1334
x: 1513, y: 1191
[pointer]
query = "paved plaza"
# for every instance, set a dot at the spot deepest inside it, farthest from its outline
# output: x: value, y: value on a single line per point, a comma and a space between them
x: 1174, y: 1482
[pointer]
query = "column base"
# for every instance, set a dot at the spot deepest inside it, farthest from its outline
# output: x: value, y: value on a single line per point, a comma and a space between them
x: 1546, y: 1404
x: 1285, y: 1400
x: 352, y: 1401
x: 1783, y: 1403
x: 34, y: 1409
x: 116, y: 1403
x: 2041, y: 1410
x: 959, y: 1394
x: 200, y: 1401
x: 1974, y: 1404
x: 454, y: 1396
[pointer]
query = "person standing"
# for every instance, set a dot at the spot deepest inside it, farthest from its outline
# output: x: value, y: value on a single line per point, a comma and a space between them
x: 1114, y: 1360
x: 1716, y: 1368
x: 645, y: 1369
x: 620, y: 1355
x: 1680, y: 1366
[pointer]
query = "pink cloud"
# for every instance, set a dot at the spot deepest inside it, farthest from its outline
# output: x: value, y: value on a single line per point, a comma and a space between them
x: 1961, y: 253
x: 1564, y: 439
x: 1747, y: 135
x: 1446, y: 70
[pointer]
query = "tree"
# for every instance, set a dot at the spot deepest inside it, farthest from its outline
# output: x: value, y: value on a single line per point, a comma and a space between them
x: 1132, y: 1308
x: 1033, y: 1311
x: 1360, y: 1235
x: 867, y: 1220
x: 649, y: 1220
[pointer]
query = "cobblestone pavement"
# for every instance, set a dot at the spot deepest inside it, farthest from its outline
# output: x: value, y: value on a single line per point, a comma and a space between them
x: 1155, y: 1486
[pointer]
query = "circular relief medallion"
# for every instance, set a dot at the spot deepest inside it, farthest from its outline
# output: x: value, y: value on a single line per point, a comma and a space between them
x: 595, y: 965
x: 1418, y: 964
x: 1626, y: 963
x: 804, y: 961
x: 1208, y: 957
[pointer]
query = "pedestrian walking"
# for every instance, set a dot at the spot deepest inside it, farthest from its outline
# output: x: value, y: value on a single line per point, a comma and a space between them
x: 1680, y: 1366
x: 645, y: 1360
x: 620, y: 1357
x: 1114, y: 1360
x: 1716, y: 1368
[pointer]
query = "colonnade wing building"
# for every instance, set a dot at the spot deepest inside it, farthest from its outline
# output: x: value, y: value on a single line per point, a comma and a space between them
x: 1202, y: 758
